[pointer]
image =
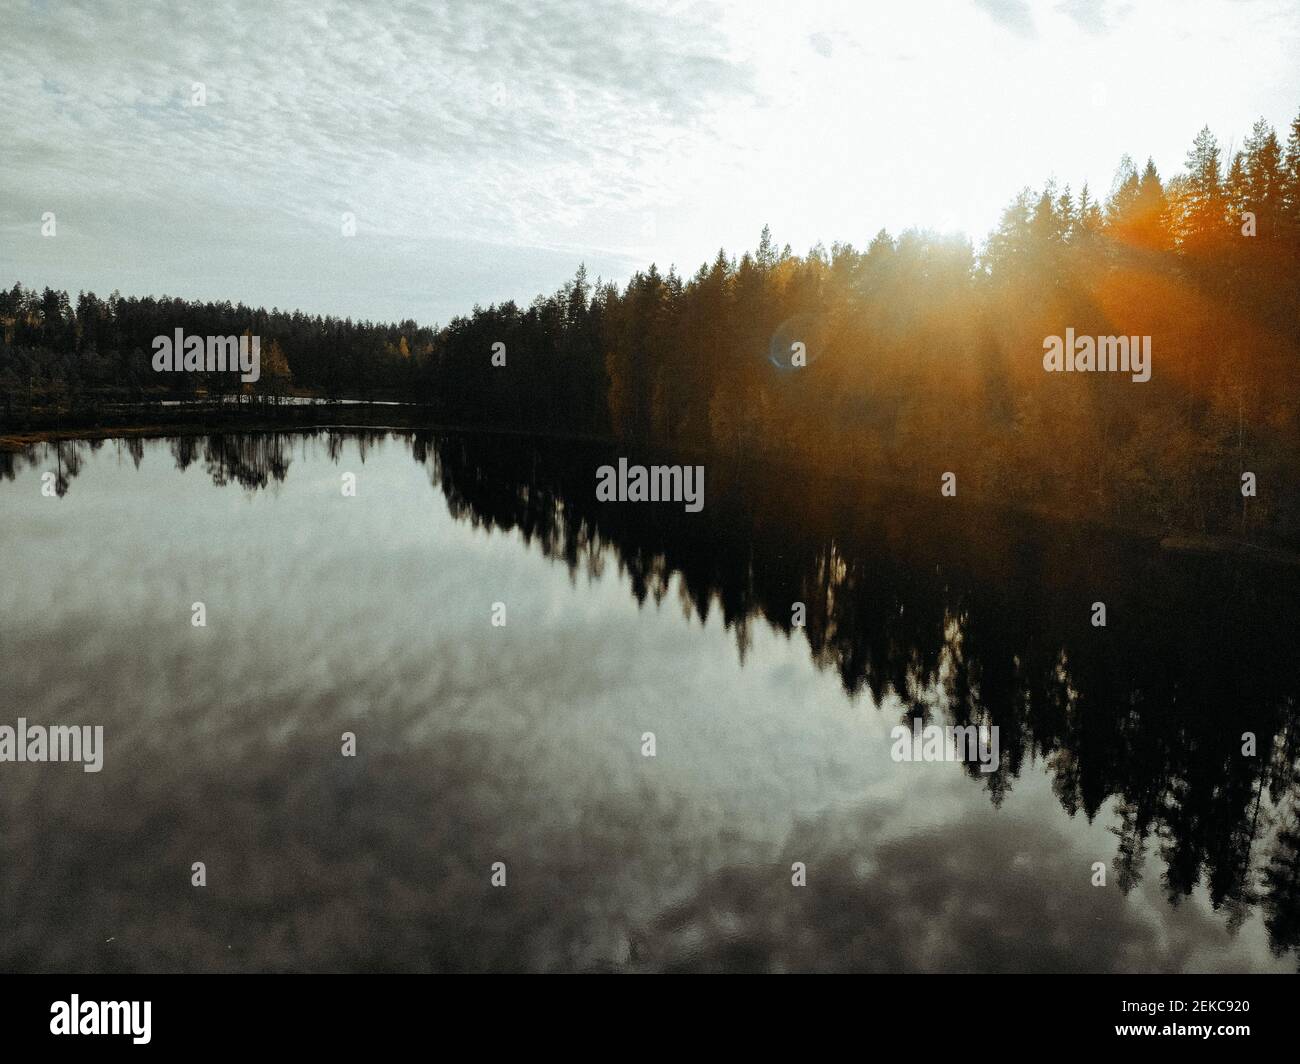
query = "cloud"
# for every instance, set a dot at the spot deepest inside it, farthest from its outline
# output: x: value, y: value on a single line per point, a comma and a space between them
x: 615, y: 132
x: 1013, y: 14
x: 466, y: 118
x: 822, y: 45
x: 1088, y: 14
x: 506, y: 123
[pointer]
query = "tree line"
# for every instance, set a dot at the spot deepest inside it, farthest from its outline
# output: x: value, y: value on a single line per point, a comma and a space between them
x: 915, y: 356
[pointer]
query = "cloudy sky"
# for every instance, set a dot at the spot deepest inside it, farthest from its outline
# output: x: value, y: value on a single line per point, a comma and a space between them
x: 485, y: 147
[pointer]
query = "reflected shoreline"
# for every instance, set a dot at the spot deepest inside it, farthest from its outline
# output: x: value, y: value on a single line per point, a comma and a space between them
x: 951, y: 614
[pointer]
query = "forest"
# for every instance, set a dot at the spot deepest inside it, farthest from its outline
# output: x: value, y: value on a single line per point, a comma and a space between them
x: 917, y: 356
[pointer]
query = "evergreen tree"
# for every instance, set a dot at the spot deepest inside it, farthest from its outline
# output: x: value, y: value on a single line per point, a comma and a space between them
x: 1265, y: 184
x: 1201, y: 212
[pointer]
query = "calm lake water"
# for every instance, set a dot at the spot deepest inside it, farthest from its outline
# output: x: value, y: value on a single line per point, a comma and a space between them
x: 523, y: 743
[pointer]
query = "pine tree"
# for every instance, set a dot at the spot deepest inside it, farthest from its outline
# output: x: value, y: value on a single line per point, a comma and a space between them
x: 1201, y: 213
x: 1290, y: 207
x: 1236, y: 192
x: 1089, y: 222
x: 1264, y: 180
x: 1123, y: 195
x: 1151, y: 211
x: 765, y: 258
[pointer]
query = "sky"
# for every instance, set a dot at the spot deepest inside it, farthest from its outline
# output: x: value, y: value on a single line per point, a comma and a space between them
x: 483, y: 148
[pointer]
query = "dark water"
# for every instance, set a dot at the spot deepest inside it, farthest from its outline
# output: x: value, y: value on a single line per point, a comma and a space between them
x: 522, y: 744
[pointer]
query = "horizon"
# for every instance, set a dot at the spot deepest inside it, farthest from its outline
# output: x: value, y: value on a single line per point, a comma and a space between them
x: 500, y: 150
x: 978, y: 245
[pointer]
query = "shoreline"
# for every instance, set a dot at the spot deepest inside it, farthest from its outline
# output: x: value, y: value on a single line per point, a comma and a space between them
x: 382, y: 415
x: 153, y: 423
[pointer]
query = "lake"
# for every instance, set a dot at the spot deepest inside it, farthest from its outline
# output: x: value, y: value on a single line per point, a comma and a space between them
x: 507, y: 652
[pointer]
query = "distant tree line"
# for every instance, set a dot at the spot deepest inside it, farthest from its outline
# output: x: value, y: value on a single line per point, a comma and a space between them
x: 919, y: 354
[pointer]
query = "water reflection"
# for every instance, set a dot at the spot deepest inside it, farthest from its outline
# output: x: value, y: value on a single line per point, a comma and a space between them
x: 916, y: 608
